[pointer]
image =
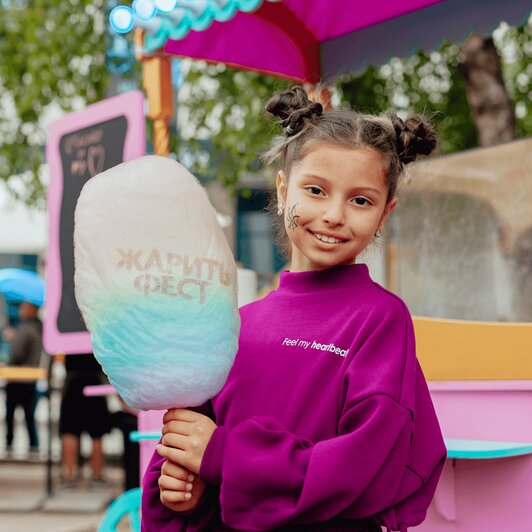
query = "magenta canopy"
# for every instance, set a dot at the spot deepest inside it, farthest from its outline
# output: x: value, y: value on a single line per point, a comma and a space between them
x: 312, y: 40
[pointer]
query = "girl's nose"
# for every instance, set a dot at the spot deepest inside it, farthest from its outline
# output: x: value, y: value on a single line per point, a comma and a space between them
x: 333, y: 213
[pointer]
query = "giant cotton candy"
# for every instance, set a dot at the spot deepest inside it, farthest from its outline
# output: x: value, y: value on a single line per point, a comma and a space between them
x: 156, y: 284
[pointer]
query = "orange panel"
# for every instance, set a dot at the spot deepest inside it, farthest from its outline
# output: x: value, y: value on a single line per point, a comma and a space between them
x: 453, y: 350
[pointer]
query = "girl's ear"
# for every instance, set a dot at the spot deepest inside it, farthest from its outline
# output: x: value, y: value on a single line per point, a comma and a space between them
x: 390, y: 206
x: 282, y: 187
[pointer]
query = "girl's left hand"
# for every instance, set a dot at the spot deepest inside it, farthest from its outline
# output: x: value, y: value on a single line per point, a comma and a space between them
x: 186, y: 435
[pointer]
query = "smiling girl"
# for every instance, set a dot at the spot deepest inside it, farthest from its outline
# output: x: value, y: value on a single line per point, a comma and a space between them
x: 325, y: 422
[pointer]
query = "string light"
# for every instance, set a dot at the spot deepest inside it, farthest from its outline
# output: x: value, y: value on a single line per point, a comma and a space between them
x: 165, y: 6
x: 121, y: 19
x: 144, y: 9
x: 178, y: 17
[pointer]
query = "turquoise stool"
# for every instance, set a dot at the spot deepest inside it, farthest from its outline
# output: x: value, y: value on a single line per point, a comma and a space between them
x: 126, y: 504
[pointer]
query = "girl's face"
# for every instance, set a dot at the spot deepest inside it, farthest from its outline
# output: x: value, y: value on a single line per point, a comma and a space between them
x: 334, y: 202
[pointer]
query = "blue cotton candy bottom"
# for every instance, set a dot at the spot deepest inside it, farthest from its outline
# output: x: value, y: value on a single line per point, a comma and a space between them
x: 158, y: 352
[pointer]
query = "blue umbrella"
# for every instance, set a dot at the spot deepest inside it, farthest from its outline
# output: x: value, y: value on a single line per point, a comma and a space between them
x: 18, y: 285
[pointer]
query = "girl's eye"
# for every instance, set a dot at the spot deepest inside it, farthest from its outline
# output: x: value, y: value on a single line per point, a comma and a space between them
x: 361, y: 200
x: 314, y: 190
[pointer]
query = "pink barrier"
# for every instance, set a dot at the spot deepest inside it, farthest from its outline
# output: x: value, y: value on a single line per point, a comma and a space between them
x: 98, y: 389
x: 485, y: 494
x: 152, y: 420
x: 484, y: 410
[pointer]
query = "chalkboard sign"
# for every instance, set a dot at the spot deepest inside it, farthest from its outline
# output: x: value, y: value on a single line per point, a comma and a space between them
x: 80, y: 146
x: 84, y: 154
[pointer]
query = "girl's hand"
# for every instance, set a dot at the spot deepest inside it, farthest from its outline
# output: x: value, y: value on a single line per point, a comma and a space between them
x: 186, y: 435
x: 180, y: 490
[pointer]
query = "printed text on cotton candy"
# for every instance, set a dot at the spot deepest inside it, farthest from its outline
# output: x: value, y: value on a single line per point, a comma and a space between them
x: 176, y: 275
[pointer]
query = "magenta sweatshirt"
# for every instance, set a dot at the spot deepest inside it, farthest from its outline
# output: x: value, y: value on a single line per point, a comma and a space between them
x: 315, y: 422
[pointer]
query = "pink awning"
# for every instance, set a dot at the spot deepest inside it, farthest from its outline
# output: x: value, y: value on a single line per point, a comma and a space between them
x: 315, y: 39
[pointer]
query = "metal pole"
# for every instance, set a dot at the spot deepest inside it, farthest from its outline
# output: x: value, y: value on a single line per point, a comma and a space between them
x: 49, y: 464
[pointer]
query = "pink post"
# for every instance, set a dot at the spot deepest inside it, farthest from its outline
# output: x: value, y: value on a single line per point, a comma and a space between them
x: 149, y: 421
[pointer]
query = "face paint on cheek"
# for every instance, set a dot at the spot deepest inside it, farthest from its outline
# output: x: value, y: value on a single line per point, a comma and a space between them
x: 292, y: 217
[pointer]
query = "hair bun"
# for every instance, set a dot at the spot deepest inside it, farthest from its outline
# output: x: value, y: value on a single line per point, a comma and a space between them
x: 293, y: 108
x: 414, y: 137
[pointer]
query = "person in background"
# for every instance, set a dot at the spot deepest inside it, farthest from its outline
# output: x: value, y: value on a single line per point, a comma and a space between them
x: 26, y: 350
x: 82, y: 414
x: 126, y: 420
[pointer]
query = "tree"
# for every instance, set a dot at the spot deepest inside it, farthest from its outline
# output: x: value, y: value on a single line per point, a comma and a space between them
x: 220, y: 120
x: 488, y: 98
x: 478, y: 92
x: 426, y: 82
x: 53, y: 61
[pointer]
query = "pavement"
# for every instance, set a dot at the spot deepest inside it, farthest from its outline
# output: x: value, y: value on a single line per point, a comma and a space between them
x: 25, y: 505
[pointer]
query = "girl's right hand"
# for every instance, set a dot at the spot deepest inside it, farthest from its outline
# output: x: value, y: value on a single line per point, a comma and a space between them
x: 181, y: 491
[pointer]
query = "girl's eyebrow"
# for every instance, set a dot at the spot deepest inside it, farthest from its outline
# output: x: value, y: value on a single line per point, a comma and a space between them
x: 354, y: 189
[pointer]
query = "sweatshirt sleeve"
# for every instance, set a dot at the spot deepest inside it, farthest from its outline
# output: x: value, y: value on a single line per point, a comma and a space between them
x: 270, y: 477
x: 158, y: 518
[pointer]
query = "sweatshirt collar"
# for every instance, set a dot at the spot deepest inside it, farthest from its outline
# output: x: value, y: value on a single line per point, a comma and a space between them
x: 326, y: 279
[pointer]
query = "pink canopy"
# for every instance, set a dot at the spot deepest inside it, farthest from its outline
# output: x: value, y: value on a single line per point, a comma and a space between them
x: 310, y: 40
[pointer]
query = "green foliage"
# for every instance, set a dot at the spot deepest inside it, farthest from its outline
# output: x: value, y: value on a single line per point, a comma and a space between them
x: 423, y: 83
x: 53, y: 59
x: 515, y: 44
x: 222, y: 121
x: 431, y: 83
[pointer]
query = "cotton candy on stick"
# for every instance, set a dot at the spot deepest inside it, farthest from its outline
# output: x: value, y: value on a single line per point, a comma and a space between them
x: 155, y: 281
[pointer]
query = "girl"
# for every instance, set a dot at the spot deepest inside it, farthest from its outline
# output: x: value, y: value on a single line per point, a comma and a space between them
x: 325, y: 422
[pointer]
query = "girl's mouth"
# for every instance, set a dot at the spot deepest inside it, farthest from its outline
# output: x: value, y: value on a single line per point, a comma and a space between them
x: 327, y: 239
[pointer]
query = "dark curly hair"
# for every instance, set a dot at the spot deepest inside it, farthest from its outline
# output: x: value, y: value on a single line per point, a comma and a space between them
x: 304, y: 121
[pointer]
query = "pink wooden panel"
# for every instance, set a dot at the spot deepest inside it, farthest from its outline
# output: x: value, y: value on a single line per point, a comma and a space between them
x: 484, y: 410
x: 149, y: 421
x: 488, y: 494
x: 130, y: 105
